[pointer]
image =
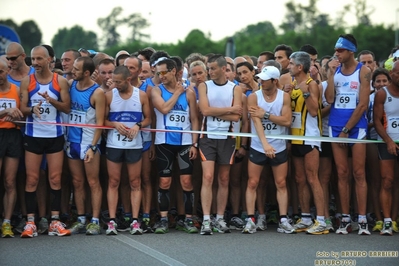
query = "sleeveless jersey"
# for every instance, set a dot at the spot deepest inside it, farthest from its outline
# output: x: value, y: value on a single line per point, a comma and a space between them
x: 129, y: 112
x: 269, y: 127
x: 390, y: 118
x: 218, y: 96
x: 82, y: 112
x: 324, y: 104
x: 347, y: 90
x: 48, y: 112
x: 9, y: 99
x: 18, y: 82
x: 303, y: 124
x: 149, y: 81
x: 146, y: 135
x: 178, y: 118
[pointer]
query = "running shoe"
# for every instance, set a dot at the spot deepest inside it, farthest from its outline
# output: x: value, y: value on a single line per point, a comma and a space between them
x: 135, y: 228
x: 236, y: 223
x: 21, y: 226
x: 77, y: 227
x: 285, y: 227
x: 196, y: 221
x: 378, y: 226
x: 124, y: 224
x: 163, y: 227
x: 395, y: 227
x: 93, y: 229
x: 364, y: 229
x: 57, y: 228
x: 30, y: 230
x: 301, y: 226
x: 387, y: 229
x: 145, y: 225
x: 189, y: 227
x: 206, y: 228
x: 43, y: 226
x: 329, y: 225
x: 221, y: 226
x: 317, y: 229
x: 111, y: 228
x: 261, y: 224
x: 344, y: 228
x: 250, y: 227
x: 180, y: 225
x: 6, y: 230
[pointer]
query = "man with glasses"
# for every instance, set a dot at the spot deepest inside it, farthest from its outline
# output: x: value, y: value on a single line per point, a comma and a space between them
x: 348, y: 93
x: 16, y: 60
x: 220, y: 102
x: 175, y: 109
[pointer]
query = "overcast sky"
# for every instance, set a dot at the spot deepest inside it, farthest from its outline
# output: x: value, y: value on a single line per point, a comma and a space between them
x: 173, y: 20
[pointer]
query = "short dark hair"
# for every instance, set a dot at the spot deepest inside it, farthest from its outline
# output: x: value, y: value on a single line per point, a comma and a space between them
x: 219, y: 59
x: 121, y: 56
x: 75, y: 52
x: 158, y: 54
x: 269, y: 55
x: 380, y: 71
x: 50, y: 50
x: 88, y: 63
x: 364, y: 52
x: 283, y: 47
x: 247, y: 64
x: 122, y: 70
x: 146, y: 52
x: 178, y: 61
x: 170, y: 64
x: 309, y: 49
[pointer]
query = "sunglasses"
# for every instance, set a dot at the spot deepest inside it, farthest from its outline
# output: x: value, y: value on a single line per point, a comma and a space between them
x: 13, y: 58
x: 340, y: 50
x: 163, y: 73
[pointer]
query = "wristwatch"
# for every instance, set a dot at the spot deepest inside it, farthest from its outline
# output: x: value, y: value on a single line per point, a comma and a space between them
x: 345, y: 130
x: 266, y: 115
x: 306, y: 95
x: 93, y: 148
x: 195, y: 145
x: 139, y: 124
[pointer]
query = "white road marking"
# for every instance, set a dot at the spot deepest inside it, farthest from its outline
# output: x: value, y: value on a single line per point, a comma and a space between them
x: 149, y: 251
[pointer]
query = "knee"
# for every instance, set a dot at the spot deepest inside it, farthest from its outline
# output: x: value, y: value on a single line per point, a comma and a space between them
x: 186, y: 183
x: 135, y: 184
x: 281, y: 184
x: 252, y: 184
x: 164, y: 183
x: 386, y: 183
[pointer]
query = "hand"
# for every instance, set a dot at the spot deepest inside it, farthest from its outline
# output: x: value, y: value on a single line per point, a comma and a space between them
x: 269, y: 151
x: 45, y: 96
x: 89, y: 156
x: 36, y: 109
x: 343, y: 135
x: 303, y: 86
x: 14, y: 113
x: 133, y: 131
x: 332, y: 66
x: 236, y: 109
x: 256, y: 111
x: 314, y: 72
x: 110, y: 84
x: 122, y: 129
x: 94, y: 76
x: 392, y: 148
x: 193, y: 153
x: 179, y: 88
x: 241, y: 152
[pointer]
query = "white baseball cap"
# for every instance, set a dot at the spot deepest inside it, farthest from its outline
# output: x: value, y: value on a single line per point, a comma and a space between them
x: 269, y: 72
x: 395, y: 54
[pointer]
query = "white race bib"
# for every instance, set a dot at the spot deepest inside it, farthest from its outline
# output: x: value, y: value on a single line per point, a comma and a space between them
x: 296, y: 120
x: 393, y: 125
x: 47, y: 112
x: 121, y: 140
x: 7, y: 103
x: 177, y: 118
x: 270, y: 128
x: 345, y: 100
x: 77, y: 117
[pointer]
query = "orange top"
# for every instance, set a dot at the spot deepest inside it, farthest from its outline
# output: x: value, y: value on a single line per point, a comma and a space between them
x: 9, y: 99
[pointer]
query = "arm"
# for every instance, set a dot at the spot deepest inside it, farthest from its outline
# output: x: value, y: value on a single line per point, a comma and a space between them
x: 195, y: 123
x: 312, y: 102
x: 364, y: 97
x: 330, y: 91
x: 153, y: 122
x: 159, y: 102
x: 64, y: 105
x: 244, y: 128
x: 379, y: 100
x: 226, y: 113
x: 269, y: 150
x: 24, y: 95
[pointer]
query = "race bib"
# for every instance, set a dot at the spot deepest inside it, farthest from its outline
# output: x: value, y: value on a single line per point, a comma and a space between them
x: 7, y: 103
x: 296, y: 120
x: 77, y: 117
x: 345, y: 100
x: 121, y: 140
x: 393, y: 125
x: 47, y: 112
x: 177, y: 119
x: 270, y: 128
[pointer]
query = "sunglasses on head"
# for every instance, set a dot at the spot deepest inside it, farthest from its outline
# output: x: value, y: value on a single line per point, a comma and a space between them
x: 163, y: 73
x: 13, y: 58
x: 340, y: 50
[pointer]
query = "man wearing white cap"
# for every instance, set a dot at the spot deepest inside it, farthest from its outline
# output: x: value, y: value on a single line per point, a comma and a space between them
x: 270, y: 110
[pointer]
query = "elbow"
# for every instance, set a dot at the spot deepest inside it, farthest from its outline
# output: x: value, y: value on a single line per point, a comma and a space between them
x: 204, y: 112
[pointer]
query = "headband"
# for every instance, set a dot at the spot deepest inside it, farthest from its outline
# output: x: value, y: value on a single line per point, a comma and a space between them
x: 345, y: 44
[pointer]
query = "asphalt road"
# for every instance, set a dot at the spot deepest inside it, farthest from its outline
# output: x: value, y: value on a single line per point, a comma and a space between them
x: 179, y: 248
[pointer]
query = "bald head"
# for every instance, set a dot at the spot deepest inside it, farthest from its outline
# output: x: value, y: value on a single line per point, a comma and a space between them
x: 239, y: 59
x: 3, y: 64
x: 15, y: 47
x: 229, y: 59
x: 40, y: 49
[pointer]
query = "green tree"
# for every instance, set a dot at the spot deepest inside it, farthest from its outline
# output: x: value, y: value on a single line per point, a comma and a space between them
x: 75, y: 38
x: 137, y: 23
x: 29, y: 34
x: 109, y: 26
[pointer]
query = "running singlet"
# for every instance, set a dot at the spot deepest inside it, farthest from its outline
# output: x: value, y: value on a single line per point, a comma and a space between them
x: 218, y: 96
x: 347, y: 90
x: 129, y: 112
x: 146, y: 135
x: 18, y: 82
x: 303, y: 124
x: 269, y: 127
x: 9, y: 99
x: 82, y: 112
x: 48, y: 112
x: 178, y: 118
x: 390, y: 119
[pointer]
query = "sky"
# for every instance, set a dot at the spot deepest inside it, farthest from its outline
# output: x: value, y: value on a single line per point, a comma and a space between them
x: 172, y: 20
